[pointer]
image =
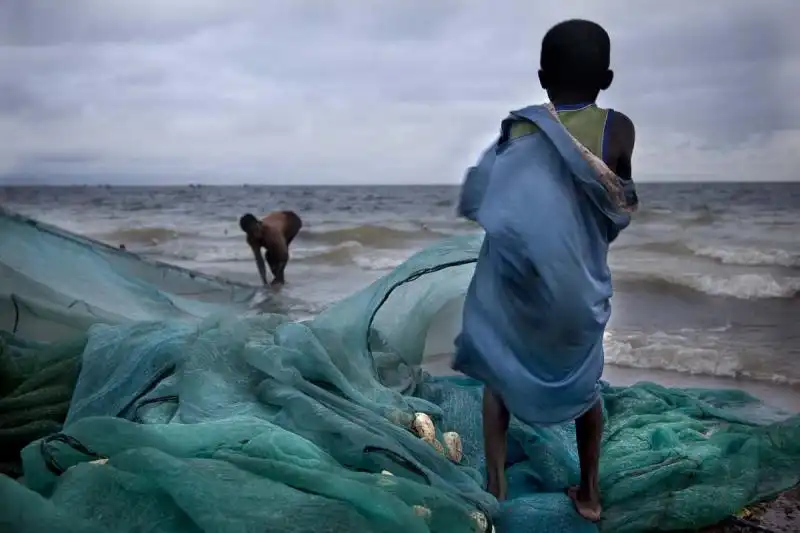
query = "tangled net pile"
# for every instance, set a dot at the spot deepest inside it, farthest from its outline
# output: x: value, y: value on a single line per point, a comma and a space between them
x: 141, y: 397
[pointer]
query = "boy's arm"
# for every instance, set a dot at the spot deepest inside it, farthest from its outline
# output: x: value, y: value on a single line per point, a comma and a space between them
x: 625, y: 137
x: 262, y: 268
x: 625, y: 134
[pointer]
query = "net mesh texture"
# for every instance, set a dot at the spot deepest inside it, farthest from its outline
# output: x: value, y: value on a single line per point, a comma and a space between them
x: 137, y: 396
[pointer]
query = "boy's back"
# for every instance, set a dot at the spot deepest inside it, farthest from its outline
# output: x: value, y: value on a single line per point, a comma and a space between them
x: 607, y: 133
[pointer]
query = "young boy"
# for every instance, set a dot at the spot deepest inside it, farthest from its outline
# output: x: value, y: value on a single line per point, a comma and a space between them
x: 274, y: 233
x: 575, y: 60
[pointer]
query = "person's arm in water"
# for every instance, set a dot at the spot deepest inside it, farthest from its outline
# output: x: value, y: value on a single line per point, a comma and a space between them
x: 262, y: 268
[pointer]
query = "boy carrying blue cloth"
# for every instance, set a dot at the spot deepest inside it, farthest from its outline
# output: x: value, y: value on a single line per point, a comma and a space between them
x: 551, y: 194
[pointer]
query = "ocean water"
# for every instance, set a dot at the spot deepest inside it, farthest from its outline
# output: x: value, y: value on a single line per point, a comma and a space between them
x: 707, y: 277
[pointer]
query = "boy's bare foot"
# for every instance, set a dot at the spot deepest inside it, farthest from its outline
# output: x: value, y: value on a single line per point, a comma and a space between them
x: 587, y: 505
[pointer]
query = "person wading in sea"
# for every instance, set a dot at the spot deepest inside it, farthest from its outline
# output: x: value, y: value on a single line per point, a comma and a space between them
x: 274, y: 233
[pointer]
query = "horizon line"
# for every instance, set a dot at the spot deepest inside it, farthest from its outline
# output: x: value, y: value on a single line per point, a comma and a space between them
x: 345, y: 184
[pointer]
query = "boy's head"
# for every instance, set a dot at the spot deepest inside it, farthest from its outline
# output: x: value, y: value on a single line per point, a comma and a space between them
x: 250, y: 225
x: 575, y: 60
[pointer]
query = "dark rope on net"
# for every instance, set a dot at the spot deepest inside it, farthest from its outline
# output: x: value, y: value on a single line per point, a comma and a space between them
x: 163, y: 374
x: 16, y: 313
x: 396, y: 457
x: 50, y: 460
x: 413, y: 277
x: 52, y: 463
x: 136, y: 417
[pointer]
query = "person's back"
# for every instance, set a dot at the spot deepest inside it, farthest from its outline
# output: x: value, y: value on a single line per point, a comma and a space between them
x: 539, y: 301
x: 284, y: 223
x: 274, y: 232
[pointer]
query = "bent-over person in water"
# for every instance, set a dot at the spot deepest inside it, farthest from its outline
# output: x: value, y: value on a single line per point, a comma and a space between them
x: 274, y: 233
x: 575, y: 61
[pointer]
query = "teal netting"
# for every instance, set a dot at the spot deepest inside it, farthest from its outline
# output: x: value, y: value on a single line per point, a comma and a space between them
x: 183, y: 412
x: 54, y: 284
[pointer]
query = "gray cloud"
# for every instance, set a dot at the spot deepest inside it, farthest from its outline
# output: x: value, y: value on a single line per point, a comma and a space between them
x: 315, y: 91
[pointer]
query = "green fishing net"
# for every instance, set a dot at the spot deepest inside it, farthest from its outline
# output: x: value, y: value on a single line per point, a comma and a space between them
x: 140, y: 397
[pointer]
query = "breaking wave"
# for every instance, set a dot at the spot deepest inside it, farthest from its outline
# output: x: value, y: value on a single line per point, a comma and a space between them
x: 149, y: 236
x: 676, y: 353
x: 743, y: 286
x: 376, y: 236
x: 739, y: 255
x: 728, y: 255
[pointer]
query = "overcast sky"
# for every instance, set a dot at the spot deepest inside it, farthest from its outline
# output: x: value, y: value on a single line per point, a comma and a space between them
x: 379, y: 91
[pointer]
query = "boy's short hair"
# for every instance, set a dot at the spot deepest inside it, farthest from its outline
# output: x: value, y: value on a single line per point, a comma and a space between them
x: 576, y: 54
x: 247, y: 221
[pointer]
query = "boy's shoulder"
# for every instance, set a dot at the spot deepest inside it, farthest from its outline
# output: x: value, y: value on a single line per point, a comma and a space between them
x: 622, y: 122
x: 622, y: 131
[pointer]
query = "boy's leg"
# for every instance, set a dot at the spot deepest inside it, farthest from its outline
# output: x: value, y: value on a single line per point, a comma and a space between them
x: 277, y: 259
x: 589, y: 434
x: 495, y: 435
x: 277, y: 268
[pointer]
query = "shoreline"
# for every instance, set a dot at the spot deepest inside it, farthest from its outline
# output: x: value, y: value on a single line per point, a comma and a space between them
x: 782, y: 396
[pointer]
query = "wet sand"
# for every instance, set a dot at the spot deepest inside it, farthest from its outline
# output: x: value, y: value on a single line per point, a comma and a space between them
x: 781, y: 515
